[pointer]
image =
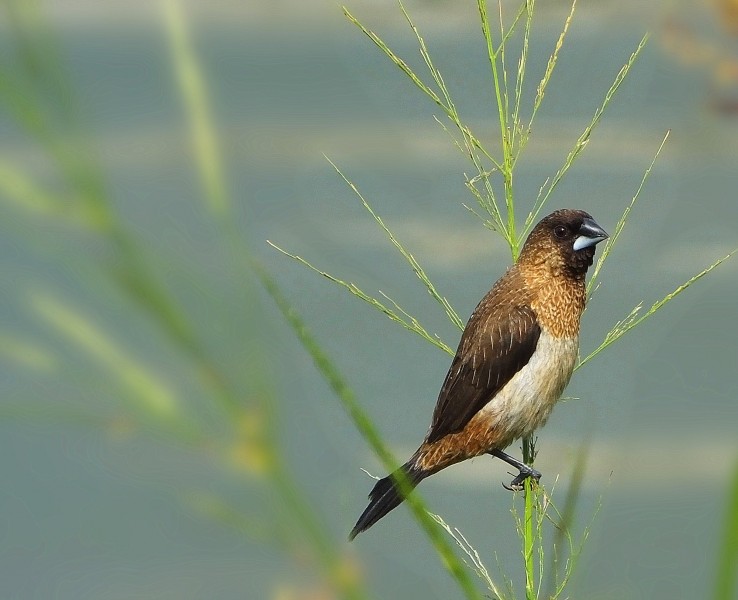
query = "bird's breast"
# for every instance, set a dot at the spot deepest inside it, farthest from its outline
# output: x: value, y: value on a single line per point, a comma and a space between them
x: 525, y: 402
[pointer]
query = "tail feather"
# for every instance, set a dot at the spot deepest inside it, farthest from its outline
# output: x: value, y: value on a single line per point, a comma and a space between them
x: 385, y: 496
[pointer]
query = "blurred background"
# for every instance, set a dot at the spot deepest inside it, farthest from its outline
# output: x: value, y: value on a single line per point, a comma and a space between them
x: 165, y: 435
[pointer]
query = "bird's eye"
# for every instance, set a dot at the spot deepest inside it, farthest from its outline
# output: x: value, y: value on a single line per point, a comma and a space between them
x: 561, y: 231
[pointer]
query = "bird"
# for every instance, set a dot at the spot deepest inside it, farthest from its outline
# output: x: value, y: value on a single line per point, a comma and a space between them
x: 515, y: 357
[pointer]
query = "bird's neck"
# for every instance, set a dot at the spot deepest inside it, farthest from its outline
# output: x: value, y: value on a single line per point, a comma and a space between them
x: 558, y: 296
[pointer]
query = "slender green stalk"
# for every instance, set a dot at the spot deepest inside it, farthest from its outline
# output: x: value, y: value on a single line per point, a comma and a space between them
x: 204, y: 142
x: 83, y: 176
x: 411, y: 74
x: 471, y: 144
x: 23, y: 193
x: 150, y: 392
x: 726, y: 580
x: 529, y: 534
x: 502, y: 111
x: 367, y: 429
x: 555, y: 585
x: 529, y: 541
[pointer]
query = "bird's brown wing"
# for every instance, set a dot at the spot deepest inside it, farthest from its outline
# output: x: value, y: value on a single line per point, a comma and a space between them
x: 497, y: 342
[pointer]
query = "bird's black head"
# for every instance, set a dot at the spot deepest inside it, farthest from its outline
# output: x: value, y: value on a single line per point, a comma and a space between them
x: 565, y: 240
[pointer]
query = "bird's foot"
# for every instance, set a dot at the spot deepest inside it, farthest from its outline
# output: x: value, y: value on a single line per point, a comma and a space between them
x: 516, y: 485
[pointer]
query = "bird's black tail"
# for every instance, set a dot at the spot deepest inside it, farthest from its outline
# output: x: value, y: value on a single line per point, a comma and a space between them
x: 386, y: 496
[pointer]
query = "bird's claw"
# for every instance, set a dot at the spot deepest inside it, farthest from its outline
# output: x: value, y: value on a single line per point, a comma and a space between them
x: 516, y: 485
x: 510, y: 488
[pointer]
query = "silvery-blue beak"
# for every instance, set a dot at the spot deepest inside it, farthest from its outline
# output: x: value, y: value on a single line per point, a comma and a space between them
x: 589, y: 234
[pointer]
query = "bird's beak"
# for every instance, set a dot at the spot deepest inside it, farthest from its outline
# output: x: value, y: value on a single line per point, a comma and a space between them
x: 590, y: 233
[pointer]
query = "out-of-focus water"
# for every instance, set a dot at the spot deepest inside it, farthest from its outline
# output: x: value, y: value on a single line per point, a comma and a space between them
x: 84, y: 514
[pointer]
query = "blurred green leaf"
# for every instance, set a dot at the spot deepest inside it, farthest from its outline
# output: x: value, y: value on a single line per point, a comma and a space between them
x: 194, y: 93
x: 726, y: 584
x: 150, y: 392
x: 27, y: 353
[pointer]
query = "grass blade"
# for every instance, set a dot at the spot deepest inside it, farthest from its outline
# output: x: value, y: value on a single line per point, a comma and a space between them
x: 444, y: 104
x: 624, y: 218
x: 476, y: 561
x: 584, y: 137
x: 417, y: 269
x: 633, y: 320
x: 403, y: 66
x: 551, y: 65
x: 520, y: 76
x: 147, y: 389
x: 197, y: 104
x: 412, y: 325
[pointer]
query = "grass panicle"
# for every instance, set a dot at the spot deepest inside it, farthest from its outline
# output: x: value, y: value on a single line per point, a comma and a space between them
x: 491, y: 184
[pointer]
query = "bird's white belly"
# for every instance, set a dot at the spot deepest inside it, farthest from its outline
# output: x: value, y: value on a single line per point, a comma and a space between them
x: 526, y: 401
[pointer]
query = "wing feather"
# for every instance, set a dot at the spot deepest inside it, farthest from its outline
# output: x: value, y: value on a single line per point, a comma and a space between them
x: 498, y: 341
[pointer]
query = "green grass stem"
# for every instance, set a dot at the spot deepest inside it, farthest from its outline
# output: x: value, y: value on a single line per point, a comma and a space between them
x: 726, y: 580
x: 371, y: 435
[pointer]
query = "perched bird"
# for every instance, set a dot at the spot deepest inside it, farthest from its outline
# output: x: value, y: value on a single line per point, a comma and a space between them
x: 515, y: 357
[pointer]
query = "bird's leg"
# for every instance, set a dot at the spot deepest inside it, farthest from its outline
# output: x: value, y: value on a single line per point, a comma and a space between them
x: 524, y: 470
